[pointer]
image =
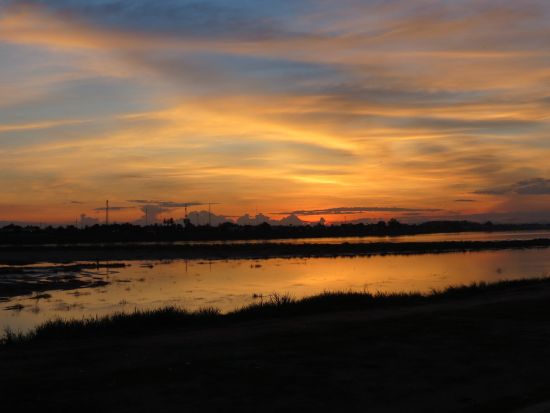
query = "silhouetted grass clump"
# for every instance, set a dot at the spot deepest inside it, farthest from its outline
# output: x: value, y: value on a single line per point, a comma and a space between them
x: 116, y: 324
x: 275, y: 305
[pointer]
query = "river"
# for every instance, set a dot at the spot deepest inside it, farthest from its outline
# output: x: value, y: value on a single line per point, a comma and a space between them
x: 230, y: 284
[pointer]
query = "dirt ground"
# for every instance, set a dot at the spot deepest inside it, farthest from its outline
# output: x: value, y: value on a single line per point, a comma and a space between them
x: 489, y: 354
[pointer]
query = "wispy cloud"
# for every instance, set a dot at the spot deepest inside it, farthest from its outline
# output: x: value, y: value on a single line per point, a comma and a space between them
x: 355, y: 210
x: 113, y: 208
x: 168, y: 204
x: 534, y: 186
x: 38, y: 125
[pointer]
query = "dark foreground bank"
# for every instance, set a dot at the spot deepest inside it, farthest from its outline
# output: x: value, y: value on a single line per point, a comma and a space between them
x: 481, y: 348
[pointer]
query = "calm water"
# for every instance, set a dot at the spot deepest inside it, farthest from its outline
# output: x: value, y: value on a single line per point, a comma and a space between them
x: 231, y: 284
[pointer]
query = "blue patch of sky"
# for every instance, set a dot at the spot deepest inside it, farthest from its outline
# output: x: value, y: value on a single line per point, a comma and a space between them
x: 269, y: 74
x: 188, y: 17
x: 87, y: 98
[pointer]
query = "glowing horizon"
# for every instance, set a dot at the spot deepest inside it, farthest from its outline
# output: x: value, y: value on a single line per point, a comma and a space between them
x: 407, y: 109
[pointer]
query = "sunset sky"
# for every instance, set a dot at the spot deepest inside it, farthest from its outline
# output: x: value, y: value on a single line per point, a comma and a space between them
x: 372, y: 108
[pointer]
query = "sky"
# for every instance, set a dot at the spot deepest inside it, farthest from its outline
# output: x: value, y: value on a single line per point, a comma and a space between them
x: 415, y: 109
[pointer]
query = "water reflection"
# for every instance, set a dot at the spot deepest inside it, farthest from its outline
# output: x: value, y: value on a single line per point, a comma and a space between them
x: 234, y: 283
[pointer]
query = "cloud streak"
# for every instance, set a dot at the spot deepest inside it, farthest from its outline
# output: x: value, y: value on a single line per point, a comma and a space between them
x: 168, y: 204
x: 535, y: 186
x: 113, y: 208
x: 356, y: 210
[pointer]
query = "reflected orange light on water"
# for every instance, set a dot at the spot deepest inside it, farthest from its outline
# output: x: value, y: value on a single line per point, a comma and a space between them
x: 228, y: 285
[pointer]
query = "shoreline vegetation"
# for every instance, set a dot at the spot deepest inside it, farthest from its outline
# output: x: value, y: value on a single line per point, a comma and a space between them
x: 20, y: 255
x: 468, y: 348
x: 172, y: 231
x: 272, y: 306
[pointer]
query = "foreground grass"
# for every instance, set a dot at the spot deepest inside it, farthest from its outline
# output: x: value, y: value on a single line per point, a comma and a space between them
x: 275, y: 305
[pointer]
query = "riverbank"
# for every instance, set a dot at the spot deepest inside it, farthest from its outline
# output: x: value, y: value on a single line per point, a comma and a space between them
x: 480, y: 348
x: 20, y: 255
x: 173, y: 232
